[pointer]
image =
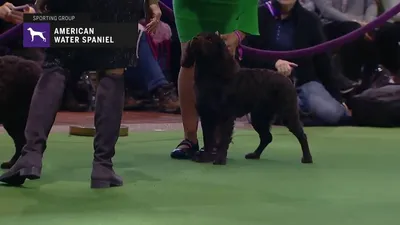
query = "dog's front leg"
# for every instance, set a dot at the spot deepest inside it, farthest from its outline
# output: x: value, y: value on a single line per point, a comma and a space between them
x: 225, y: 131
x: 208, y: 125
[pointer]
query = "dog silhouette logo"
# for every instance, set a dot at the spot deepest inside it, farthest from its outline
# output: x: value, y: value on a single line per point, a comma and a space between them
x: 36, y: 35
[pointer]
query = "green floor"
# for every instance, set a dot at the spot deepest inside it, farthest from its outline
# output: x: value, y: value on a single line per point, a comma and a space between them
x: 355, y: 180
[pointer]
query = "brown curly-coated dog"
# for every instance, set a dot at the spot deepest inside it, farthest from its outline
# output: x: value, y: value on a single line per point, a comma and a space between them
x: 18, y: 78
x: 225, y: 92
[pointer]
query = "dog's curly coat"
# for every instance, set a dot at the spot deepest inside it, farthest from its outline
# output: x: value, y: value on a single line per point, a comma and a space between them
x: 18, y: 77
x: 224, y: 92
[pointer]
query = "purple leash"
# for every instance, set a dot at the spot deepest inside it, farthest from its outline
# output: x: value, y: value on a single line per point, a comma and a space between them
x: 317, y: 48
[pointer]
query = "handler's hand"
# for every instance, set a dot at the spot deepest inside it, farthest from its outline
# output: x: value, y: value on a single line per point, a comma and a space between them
x: 285, y: 67
x: 9, y: 14
x: 232, y: 42
x: 5, y: 10
x: 155, y: 18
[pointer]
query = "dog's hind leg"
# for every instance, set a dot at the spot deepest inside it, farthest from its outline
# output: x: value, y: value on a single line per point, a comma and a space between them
x: 261, y: 122
x: 15, y: 127
x: 224, y: 132
x: 293, y: 123
x: 208, y: 125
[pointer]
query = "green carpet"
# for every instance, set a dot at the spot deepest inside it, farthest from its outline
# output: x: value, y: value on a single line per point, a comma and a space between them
x: 355, y: 181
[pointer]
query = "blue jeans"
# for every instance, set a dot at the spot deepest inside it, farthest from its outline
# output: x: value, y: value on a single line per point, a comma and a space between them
x: 316, y: 100
x: 148, y: 73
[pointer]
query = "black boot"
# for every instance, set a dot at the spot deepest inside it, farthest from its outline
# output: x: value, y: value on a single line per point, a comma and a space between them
x: 44, y: 106
x: 342, y: 82
x: 108, y: 115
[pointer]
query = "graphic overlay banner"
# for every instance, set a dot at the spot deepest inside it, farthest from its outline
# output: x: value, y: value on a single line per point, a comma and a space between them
x: 63, y: 31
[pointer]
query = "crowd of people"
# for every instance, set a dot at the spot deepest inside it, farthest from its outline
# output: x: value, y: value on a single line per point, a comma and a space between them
x: 151, y: 85
x: 291, y: 24
x: 324, y: 81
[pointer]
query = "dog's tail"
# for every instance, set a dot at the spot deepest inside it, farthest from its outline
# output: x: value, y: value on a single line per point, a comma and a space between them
x: 18, y: 77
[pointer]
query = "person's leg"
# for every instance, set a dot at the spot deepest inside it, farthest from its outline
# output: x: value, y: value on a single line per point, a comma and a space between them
x: 316, y: 100
x: 155, y: 79
x: 190, y: 120
x: 107, y: 120
x: 147, y: 72
x: 387, y: 40
x: 150, y: 75
x: 152, y: 72
x: 45, y: 103
x: 344, y: 84
x: 352, y: 55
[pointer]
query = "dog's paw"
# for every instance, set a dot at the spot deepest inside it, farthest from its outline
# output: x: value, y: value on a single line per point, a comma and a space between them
x: 203, y: 157
x: 7, y: 165
x: 252, y: 156
x: 220, y: 161
x: 306, y: 160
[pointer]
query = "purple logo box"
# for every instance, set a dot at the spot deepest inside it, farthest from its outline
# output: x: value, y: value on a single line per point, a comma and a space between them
x: 36, y: 35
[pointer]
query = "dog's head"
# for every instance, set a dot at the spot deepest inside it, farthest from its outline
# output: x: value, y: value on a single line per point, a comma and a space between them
x: 214, y: 62
x: 205, y: 48
x: 30, y: 29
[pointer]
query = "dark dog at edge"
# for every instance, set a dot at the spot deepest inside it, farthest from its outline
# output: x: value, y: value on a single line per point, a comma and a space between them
x: 18, y: 78
x: 225, y: 92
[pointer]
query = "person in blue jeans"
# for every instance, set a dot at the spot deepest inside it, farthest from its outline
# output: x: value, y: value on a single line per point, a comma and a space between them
x: 148, y: 75
x: 314, y: 99
x: 288, y: 26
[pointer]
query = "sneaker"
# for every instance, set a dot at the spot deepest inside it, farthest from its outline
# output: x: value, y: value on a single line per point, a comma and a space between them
x: 168, y: 100
x: 185, y: 150
x: 131, y: 103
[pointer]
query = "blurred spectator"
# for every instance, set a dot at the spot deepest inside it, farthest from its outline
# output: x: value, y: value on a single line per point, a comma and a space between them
x: 388, y: 4
x: 148, y: 74
x: 357, y: 11
x: 308, y: 4
x: 388, y: 40
x: 342, y: 17
x: 286, y: 26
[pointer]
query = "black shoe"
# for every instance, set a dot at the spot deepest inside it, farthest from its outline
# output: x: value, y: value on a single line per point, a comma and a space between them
x: 185, y: 150
x: 347, y: 85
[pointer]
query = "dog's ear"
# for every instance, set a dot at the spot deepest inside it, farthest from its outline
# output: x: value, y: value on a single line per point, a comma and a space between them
x: 188, y: 56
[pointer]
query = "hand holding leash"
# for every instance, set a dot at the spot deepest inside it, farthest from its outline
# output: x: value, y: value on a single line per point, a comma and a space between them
x: 9, y: 14
x: 13, y: 14
x: 154, y: 19
x: 16, y: 16
x: 232, y: 40
x: 5, y: 10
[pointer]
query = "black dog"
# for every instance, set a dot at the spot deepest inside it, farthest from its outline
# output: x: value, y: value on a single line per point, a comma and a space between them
x: 225, y: 92
x: 18, y: 78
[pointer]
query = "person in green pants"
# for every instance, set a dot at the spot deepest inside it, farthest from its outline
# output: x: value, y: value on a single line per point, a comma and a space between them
x: 233, y: 19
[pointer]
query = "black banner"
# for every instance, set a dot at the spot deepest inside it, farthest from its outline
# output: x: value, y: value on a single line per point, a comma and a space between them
x: 54, y: 31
